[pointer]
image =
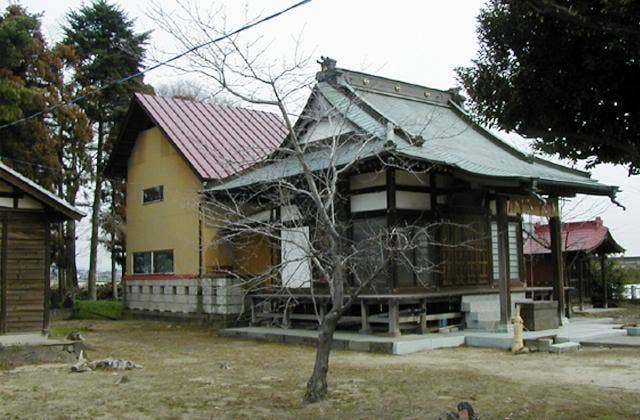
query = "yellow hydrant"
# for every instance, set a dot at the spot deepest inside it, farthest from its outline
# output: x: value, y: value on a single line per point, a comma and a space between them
x: 517, y: 345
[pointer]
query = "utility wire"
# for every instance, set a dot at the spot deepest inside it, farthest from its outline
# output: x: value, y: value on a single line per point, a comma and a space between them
x: 155, y: 66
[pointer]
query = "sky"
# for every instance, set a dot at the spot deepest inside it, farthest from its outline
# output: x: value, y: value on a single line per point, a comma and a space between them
x: 416, y: 41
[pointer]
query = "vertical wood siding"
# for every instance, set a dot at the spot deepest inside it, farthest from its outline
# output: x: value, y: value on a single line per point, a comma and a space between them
x: 24, y: 271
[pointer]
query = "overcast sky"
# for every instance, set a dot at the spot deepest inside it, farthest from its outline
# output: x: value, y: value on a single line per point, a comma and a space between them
x: 415, y: 41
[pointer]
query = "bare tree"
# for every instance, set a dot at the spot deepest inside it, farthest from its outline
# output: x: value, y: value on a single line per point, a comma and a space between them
x: 296, y: 202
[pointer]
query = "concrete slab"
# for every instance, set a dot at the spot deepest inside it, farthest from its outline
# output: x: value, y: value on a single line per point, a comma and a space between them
x: 352, y: 341
x: 23, y: 339
x: 577, y: 331
x: 618, y: 341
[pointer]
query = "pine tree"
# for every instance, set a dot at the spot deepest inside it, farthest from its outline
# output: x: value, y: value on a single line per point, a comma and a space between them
x: 108, y: 49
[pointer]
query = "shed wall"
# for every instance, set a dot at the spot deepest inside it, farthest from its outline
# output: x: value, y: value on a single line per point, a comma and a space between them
x: 23, y: 271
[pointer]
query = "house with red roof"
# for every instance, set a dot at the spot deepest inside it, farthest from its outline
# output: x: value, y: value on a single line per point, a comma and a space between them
x: 167, y: 150
x: 582, y: 242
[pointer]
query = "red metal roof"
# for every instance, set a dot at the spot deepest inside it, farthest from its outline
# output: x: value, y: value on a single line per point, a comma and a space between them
x: 217, y: 141
x: 584, y: 236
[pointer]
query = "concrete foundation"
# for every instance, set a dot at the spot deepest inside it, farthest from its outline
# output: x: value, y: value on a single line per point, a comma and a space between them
x: 482, y: 312
x: 219, y: 296
x: 23, y: 349
x: 575, y: 332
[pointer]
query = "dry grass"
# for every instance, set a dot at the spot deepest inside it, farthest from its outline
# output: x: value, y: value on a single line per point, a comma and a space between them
x: 190, y: 373
x: 625, y: 313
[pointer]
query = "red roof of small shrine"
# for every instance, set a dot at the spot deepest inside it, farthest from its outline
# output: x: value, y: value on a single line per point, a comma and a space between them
x: 588, y: 236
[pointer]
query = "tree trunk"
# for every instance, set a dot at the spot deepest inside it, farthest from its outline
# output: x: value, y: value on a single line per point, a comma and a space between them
x: 95, y: 215
x: 114, y: 281
x: 72, y: 269
x: 317, y: 385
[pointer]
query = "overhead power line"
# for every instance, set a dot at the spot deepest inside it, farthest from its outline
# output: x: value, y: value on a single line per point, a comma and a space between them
x: 155, y: 66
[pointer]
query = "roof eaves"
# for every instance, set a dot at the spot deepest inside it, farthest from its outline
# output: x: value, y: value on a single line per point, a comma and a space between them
x: 46, y: 197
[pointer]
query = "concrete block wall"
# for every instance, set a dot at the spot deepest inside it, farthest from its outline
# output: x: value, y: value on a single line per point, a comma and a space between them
x: 202, y: 295
x: 482, y: 312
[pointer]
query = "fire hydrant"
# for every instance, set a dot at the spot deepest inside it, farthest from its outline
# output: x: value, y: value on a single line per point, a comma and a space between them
x: 517, y: 345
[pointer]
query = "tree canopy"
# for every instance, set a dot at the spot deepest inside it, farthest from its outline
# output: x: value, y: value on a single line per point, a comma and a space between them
x: 107, y: 49
x: 28, y: 68
x: 564, y: 72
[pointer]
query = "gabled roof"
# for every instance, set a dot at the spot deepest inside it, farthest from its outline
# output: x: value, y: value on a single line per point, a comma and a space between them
x: 216, y: 141
x: 60, y: 209
x: 588, y: 236
x: 427, y: 125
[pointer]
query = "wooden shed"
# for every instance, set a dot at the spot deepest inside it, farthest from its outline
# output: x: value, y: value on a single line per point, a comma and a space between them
x: 26, y: 213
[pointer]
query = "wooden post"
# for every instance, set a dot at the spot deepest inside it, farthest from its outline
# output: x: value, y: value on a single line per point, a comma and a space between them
x: 3, y: 274
x: 365, y: 327
x: 557, y: 262
x: 423, y: 317
x: 254, y: 318
x: 47, y: 277
x: 391, y: 222
x: 503, y: 260
x: 286, y: 320
x: 394, y: 318
x: 323, y: 310
x: 581, y: 282
x: 603, y: 277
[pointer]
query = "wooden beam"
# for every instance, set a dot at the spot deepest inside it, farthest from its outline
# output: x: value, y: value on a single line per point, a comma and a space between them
x: 502, y: 224
x: 557, y: 262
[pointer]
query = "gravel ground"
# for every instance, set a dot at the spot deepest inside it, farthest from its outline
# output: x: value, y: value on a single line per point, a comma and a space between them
x: 191, y: 373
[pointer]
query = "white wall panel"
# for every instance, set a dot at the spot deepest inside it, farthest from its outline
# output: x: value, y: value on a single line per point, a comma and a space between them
x: 369, y: 201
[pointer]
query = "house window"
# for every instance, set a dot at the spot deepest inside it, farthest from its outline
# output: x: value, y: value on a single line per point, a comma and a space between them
x: 153, y: 194
x: 163, y: 261
x: 514, y: 255
x: 153, y: 262
x: 142, y: 263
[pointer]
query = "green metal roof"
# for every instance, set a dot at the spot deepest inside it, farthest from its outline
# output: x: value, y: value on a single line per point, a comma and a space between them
x: 446, y: 135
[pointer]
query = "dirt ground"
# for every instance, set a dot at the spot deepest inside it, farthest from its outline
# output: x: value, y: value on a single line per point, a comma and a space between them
x: 191, y: 373
x: 625, y: 313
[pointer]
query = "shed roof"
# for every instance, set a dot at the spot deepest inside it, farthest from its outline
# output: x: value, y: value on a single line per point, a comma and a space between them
x: 58, y: 207
x: 428, y: 126
x: 216, y: 141
x: 587, y: 236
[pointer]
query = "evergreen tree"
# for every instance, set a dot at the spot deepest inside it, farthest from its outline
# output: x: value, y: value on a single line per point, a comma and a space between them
x: 564, y: 72
x: 72, y: 131
x: 27, y: 69
x: 108, y: 49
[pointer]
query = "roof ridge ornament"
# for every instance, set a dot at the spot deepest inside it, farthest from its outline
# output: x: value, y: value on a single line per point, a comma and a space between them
x: 327, y: 69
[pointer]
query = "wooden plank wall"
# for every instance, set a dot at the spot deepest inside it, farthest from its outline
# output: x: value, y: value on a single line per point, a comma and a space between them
x: 24, y: 271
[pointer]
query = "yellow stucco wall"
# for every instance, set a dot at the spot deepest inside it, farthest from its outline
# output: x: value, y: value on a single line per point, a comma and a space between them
x: 174, y: 222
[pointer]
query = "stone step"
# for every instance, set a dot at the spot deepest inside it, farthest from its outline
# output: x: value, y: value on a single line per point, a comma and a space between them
x: 569, y: 346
